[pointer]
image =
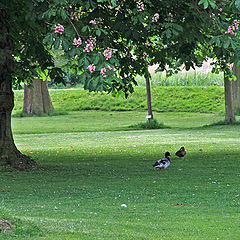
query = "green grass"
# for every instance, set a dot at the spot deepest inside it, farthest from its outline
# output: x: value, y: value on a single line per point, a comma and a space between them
x: 164, y: 99
x: 90, y: 165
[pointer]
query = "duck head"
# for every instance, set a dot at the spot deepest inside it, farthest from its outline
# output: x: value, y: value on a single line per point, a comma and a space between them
x: 167, y: 154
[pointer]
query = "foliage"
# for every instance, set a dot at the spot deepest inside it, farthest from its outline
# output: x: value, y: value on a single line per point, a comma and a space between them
x: 109, y: 43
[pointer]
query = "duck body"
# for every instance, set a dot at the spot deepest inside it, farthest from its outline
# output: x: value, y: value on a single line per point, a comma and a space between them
x: 163, y: 162
x: 181, y: 152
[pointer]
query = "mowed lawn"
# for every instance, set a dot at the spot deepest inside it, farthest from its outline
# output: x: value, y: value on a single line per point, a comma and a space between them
x: 96, y: 181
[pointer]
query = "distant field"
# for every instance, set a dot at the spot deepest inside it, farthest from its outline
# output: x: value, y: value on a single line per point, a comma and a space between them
x: 164, y: 99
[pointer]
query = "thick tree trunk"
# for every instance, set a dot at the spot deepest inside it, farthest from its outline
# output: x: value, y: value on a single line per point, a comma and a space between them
x: 9, y: 154
x: 37, y: 99
x: 236, y: 88
x: 229, y: 106
x: 149, y: 102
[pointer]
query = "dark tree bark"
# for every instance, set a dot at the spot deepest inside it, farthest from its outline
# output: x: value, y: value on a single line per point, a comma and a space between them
x: 229, y: 105
x: 149, y: 102
x: 9, y: 154
x: 236, y: 88
x: 37, y: 99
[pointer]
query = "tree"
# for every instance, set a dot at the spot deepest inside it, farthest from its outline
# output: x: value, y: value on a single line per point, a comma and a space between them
x: 236, y: 87
x: 37, y: 99
x: 229, y: 103
x: 107, y: 42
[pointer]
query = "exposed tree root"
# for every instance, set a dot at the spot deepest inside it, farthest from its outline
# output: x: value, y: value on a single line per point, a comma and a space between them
x: 17, y: 160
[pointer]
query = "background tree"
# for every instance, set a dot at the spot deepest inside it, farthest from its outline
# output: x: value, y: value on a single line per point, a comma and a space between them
x: 107, y: 43
x: 236, y: 87
x: 37, y: 100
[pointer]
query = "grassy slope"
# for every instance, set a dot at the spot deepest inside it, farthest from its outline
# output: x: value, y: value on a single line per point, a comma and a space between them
x: 86, y: 176
x: 178, y: 99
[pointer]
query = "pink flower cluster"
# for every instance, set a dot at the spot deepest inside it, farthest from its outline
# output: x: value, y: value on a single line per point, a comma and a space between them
x: 93, y: 22
x: 90, y: 45
x: 108, y: 53
x: 155, y: 17
x: 59, y: 29
x: 77, y: 42
x: 109, y: 68
x: 232, y: 29
x: 103, y: 72
x: 140, y: 6
x: 91, y: 68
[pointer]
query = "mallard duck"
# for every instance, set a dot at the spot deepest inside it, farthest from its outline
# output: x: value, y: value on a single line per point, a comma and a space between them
x: 163, y: 162
x: 181, y: 152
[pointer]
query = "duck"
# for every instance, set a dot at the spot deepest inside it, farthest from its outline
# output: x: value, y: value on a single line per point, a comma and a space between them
x: 181, y: 152
x: 163, y: 162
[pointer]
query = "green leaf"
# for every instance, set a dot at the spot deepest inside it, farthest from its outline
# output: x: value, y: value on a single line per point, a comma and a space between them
x: 226, y: 43
x: 98, y: 32
x: 56, y: 44
x: 237, y: 3
x: 65, y: 44
x: 96, y: 60
x: 84, y: 29
x: 212, y: 3
x: 204, y: 2
x: 114, y: 3
x: 63, y: 13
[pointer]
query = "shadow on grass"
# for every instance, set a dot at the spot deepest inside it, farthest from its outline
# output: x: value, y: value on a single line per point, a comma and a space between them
x: 152, y: 124
x: 221, y: 123
x: 55, y: 113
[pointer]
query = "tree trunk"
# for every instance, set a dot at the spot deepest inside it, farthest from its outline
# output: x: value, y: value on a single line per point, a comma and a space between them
x: 229, y: 106
x: 236, y: 88
x: 37, y: 99
x: 9, y: 154
x: 149, y: 102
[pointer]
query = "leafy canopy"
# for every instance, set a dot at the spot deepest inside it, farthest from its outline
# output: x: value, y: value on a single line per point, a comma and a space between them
x: 109, y: 42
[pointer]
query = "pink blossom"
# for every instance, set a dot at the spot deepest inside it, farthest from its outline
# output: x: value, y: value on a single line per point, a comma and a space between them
x: 220, y: 9
x: 103, y: 72
x: 140, y: 6
x: 233, y: 28
x: 77, y: 42
x: 110, y: 68
x: 108, y: 53
x: 59, y: 29
x: 91, y: 68
x: 90, y: 45
x: 155, y: 17
x: 93, y: 22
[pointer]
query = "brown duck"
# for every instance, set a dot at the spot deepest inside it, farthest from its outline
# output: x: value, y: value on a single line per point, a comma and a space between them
x: 181, y: 152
